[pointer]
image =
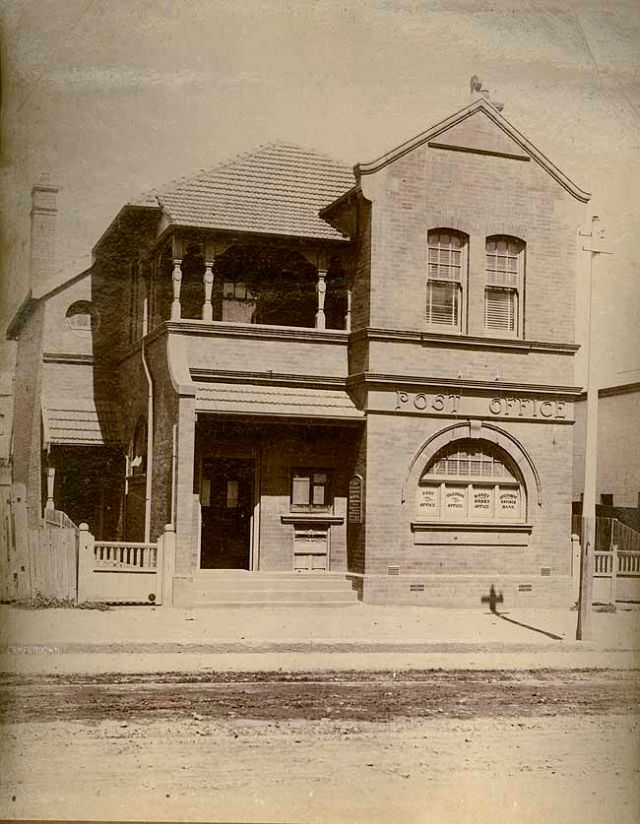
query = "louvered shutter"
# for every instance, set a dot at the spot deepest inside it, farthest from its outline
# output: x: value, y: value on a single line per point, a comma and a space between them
x: 500, y: 309
x: 504, y: 262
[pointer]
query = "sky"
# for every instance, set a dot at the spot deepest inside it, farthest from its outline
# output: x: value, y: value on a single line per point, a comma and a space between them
x: 114, y: 97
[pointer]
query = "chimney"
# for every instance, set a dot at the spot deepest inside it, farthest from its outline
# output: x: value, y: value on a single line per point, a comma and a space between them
x: 44, y: 210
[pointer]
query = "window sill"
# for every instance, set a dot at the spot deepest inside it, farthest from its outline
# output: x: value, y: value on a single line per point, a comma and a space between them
x: 311, y: 517
x: 469, y: 534
x: 470, y: 526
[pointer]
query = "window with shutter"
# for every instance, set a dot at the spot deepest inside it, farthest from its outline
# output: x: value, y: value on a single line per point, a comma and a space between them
x: 504, y: 278
x: 446, y: 276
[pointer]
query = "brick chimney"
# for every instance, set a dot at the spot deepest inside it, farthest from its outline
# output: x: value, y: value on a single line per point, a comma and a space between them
x: 44, y: 211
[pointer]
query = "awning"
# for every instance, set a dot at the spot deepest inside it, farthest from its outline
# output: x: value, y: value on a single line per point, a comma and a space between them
x: 279, y: 401
x: 80, y: 421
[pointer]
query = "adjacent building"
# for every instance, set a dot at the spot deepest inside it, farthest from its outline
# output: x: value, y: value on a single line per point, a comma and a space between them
x: 364, y: 374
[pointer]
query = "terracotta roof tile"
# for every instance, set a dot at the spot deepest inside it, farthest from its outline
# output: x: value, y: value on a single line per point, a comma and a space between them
x: 275, y: 189
x: 69, y: 420
x: 250, y: 399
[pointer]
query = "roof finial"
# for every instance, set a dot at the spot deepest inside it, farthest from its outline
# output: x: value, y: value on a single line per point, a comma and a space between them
x: 477, y: 91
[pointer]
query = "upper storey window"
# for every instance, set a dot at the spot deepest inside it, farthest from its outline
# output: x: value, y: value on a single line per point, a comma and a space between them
x: 503, y: 289
x: 446, y: 277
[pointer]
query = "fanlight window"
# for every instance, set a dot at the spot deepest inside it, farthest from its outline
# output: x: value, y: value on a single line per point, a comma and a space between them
x: 80, y: 315
x: 471, y: 481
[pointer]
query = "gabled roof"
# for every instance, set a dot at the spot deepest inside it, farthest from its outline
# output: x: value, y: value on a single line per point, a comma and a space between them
x: 506, y: 141
x: 275, y: 189
x: 57, y: 283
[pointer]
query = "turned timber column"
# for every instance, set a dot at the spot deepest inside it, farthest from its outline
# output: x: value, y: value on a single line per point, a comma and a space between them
x: 51, y: 478
x: 207, y: 279
x: 321, y: 289
x: 176, y: 278
x: 347, y: 314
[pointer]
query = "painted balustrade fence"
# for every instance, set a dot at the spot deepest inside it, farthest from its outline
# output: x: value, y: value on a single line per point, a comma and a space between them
x: 616, y: 561
x: 125, y: 572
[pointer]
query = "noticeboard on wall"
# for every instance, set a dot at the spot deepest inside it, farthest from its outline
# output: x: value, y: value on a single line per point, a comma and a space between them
x: 355, y: 506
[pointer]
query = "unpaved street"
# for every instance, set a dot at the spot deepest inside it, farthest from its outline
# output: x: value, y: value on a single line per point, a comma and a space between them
x: 542, y: 746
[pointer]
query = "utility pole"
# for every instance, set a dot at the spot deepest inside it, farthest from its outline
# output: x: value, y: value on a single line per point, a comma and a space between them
x: 593, y: 244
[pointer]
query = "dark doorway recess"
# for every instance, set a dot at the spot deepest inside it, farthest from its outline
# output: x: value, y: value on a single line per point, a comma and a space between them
x: 227, y: 507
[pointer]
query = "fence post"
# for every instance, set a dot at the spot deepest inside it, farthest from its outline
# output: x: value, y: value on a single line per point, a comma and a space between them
x: 86, y: 558
x: 575, y: 566
x: 614, y: 574
x: 168, y: 542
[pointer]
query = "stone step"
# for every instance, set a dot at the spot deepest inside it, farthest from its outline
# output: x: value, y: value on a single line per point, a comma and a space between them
x: 275, y: 603
x: 222, y: 582
x: 300, y: 596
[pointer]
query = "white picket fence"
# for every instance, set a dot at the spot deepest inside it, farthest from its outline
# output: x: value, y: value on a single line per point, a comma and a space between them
x: 118, y: 572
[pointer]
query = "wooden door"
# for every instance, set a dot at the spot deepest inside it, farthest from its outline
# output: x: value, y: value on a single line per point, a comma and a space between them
x: 226, y: 500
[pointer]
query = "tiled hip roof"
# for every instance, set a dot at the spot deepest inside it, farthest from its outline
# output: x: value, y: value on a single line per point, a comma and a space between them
x: 276, y: 189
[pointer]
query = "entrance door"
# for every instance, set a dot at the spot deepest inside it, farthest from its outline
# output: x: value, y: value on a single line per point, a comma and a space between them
x: 226, y: 500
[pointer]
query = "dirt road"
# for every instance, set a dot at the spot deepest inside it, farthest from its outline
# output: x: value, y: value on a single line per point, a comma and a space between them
x: 412, y: 746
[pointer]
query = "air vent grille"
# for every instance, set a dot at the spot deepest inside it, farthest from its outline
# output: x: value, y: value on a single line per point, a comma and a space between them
x: 393, y: 570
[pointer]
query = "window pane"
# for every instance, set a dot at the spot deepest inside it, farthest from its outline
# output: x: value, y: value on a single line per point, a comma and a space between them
x: 482, y: 502
x: 443, y: 303
x: 232, y: 494
x: 428, y: 500
x: 508, y: 504
x: 300, y: 490
x: 455, y: 502
x: 319, y: 495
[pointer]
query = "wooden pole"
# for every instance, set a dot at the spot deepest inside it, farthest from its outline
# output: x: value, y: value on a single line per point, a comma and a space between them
x: 585, y: 599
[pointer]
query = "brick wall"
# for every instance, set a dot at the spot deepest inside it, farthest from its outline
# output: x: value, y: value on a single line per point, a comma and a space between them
x: 59, y: 336
x: 470, y: 363
x: 618, y: 448
x: 361, y: 298
x: 252, y: 353
x: 481, y: 196
x: 392, y: 444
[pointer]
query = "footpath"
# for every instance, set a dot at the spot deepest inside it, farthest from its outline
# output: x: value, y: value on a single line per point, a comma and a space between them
x: 149, y: 639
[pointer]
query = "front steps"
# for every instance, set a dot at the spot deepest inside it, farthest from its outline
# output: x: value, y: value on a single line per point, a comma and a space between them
x: 243, y: 588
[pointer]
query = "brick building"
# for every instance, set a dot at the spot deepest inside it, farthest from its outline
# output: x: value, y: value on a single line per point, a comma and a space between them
x: 365, y: 375
x: 618, y: 468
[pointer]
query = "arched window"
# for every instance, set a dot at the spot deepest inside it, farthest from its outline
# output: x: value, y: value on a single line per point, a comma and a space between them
x: 471, y: 480
x: 446, y: 279
x: 80, y: 315
x: 503, y: 289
